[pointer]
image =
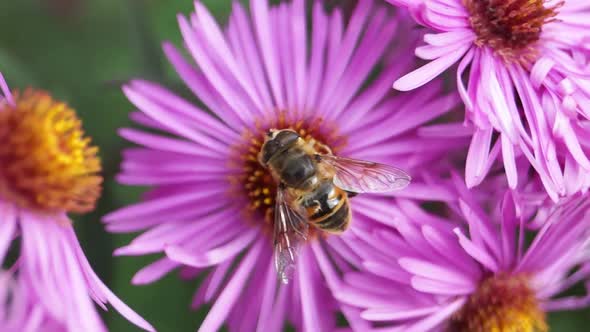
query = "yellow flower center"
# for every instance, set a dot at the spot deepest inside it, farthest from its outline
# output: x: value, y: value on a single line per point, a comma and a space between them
x: 510, y: 27
x: 502, y: 303
x: 46, y: 162
x: 254, y: 181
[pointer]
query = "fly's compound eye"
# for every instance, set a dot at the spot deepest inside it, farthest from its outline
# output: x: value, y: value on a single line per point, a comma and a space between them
x: 269, y: 149
x: 286, y: 138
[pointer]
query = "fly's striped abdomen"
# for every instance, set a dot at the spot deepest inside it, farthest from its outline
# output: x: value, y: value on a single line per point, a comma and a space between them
x: 327, y: 208
x: 338, y: 221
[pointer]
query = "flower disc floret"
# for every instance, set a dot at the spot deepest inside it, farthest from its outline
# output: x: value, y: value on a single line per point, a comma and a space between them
x: 510, y: 27
x: 503, y: 303
x: 46, y: 161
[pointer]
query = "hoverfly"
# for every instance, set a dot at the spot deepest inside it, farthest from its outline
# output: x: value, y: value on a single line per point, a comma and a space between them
x: 313, y: 188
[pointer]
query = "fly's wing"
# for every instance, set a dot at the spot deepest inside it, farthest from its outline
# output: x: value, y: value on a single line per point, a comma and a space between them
x: 361, y: 176
x: 290, y: 230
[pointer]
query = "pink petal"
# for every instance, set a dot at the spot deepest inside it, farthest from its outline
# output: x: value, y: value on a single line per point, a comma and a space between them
x: 477, y: 253
x: 214, y: 256
x: 309, y: 299
x: 428, y: 323
x: 431, y: 70
x: 163, y: 143
x: 7, y: 227
x: 260, y: 15
x: 143, y: 209
x: 216, y: 39
x: 477, y: 157
x: 154, y: 271
x: 160, y: 113
x: 228, y: 297
x: 509, y: 162
x: 388, y: 314
x: 428, y: 285
x: 436, y: 272
x: 6, y: 90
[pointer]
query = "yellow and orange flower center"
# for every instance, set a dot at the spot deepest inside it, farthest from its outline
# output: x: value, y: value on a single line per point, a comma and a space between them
x: 510, y: 27
x: 46, y: 162
x: 502, y: 303
x: 254, y: 181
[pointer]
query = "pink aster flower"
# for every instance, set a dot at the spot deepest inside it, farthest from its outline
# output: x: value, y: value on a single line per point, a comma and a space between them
x: 466, y: 269
x: 210, y: 209
x: 523, y: 72
x: 20, y: 311
x: 47, y: 168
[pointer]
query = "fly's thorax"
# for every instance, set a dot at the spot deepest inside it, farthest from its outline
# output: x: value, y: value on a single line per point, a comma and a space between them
x: 294, y: 167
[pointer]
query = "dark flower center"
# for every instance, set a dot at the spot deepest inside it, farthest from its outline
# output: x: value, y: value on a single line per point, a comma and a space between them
x: 255, y: 182
x: 502, y: 303
x: 510, y: 27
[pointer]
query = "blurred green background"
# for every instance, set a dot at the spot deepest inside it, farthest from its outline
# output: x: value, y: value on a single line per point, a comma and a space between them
x: 81, y: 51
